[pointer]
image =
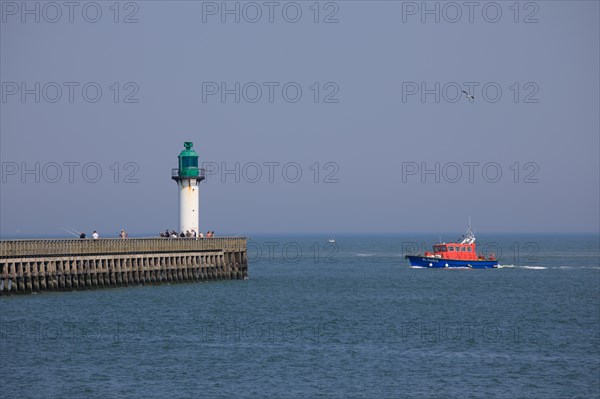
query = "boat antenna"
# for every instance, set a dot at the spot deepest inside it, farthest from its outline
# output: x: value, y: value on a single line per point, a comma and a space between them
x: 469, y: 237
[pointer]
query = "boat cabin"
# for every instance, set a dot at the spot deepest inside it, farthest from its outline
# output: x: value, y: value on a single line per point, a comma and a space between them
x: 463, y: 250
x: 454, y: 251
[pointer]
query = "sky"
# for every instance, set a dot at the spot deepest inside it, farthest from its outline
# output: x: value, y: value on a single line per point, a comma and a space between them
x: 342, y: 116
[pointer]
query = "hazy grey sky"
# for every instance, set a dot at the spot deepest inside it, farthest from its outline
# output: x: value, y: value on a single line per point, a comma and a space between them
x: 381, y: 100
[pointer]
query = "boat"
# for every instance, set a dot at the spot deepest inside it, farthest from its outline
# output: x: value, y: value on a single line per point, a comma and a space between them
x: 457, y: 255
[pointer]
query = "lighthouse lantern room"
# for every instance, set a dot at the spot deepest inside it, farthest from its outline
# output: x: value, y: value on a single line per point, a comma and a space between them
x: 188, y: 177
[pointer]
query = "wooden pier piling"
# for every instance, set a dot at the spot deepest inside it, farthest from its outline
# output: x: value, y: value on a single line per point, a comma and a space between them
x: 28, y: 266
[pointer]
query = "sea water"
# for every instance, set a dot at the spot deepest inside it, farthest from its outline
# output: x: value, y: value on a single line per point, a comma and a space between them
x: 319, y: 319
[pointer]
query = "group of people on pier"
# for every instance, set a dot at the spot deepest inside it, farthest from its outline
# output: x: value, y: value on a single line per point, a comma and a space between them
x: 166, y: 234
x: 188, y: 234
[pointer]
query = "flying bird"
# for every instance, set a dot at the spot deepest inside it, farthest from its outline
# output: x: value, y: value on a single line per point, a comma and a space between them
x: 470, y: 97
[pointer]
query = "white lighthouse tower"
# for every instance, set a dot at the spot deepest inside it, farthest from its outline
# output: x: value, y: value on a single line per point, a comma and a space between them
x: 188, y: 178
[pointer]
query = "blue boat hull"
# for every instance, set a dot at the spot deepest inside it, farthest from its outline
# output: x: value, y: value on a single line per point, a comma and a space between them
x: 437, y: 263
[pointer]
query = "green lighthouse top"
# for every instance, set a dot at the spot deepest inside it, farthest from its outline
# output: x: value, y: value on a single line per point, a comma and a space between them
x: 188, y: 164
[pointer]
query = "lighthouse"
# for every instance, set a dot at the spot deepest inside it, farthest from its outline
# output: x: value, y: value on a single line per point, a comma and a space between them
x: 188, y: 178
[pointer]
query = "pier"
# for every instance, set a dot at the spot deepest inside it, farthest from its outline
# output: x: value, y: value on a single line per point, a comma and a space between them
x: 28, y: 266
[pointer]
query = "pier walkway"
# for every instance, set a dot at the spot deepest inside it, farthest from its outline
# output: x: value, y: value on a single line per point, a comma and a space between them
x: 28, y: 266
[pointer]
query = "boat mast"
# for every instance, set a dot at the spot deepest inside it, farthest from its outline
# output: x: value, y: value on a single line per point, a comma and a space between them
x: 469, y: 237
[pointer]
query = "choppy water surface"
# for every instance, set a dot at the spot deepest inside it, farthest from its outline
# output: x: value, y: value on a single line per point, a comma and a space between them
x: 316, y: 319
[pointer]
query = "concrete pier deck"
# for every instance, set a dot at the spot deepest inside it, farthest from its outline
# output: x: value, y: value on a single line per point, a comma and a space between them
x: 28, y: 266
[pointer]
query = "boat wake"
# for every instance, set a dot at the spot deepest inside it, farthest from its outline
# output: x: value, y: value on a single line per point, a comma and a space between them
x: 365, y: 255
x: 522, y: 267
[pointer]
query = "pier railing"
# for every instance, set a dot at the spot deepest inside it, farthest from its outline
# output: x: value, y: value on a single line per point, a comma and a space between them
x: 104, y: 246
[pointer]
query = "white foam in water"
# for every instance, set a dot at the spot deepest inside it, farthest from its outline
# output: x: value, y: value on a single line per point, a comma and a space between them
x: 365, y: 254
x: 522, y: 267
x: 505, y: 266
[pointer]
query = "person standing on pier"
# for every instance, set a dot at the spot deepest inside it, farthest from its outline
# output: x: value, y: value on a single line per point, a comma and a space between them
x: 123, y: 234
x: 95, y: 235
x: 82, y: 235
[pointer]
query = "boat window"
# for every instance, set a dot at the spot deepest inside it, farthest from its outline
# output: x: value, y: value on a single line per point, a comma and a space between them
x: 463, y: 249
x: 468, y: 249
x: 451, y: 248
